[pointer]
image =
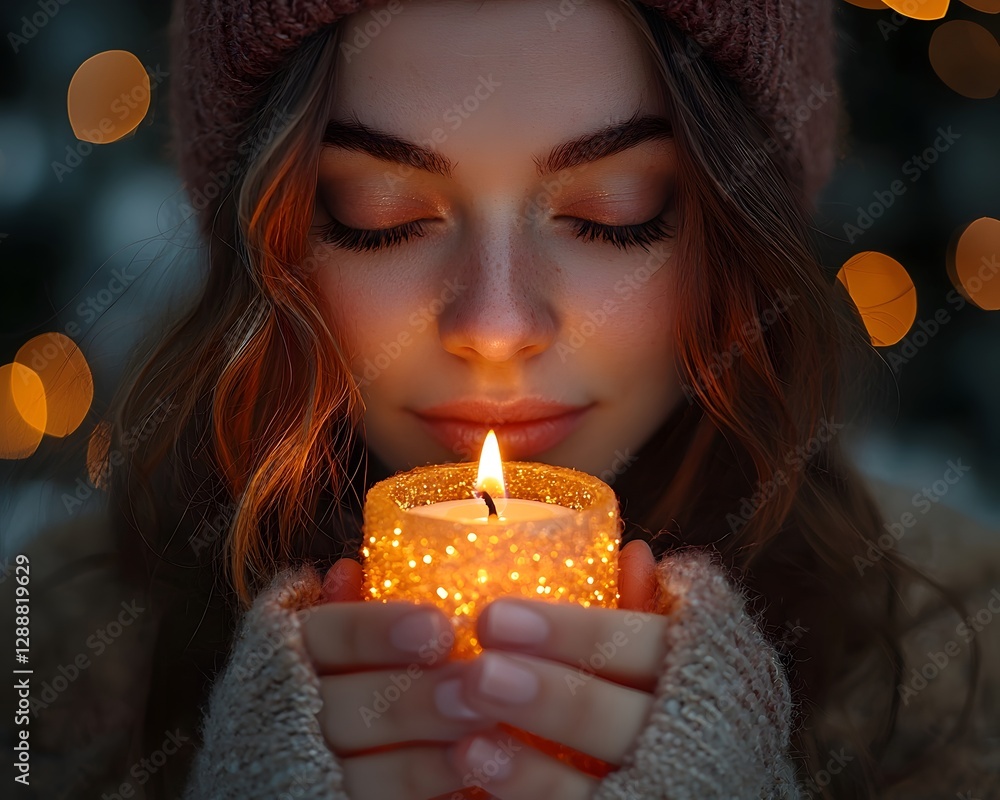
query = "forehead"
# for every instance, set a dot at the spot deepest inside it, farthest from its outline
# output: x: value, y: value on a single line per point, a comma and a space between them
x: 497, y: 72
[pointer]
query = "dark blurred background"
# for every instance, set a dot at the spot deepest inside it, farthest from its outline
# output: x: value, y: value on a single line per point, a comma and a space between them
x: 71, y: 216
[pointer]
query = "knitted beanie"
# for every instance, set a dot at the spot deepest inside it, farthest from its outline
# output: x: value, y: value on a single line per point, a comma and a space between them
x: 780, y: 53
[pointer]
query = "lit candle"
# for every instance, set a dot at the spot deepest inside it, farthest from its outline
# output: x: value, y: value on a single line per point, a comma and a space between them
x: 491, y: 506
x: 429, y: 536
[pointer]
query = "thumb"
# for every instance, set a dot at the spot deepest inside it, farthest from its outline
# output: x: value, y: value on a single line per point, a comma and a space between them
x: 636, y: 576
x: 343, y: 581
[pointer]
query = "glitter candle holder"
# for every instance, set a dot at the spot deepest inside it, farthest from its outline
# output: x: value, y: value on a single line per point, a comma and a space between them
x: 460, y: 566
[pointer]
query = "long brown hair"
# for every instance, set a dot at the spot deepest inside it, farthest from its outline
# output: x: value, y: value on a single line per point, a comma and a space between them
x: 263, y: 452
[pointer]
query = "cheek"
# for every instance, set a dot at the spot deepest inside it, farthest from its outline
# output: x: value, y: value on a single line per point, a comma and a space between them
x: 642, y: 369
x: 632, y: 318
x: 374, y: 321
x: 340, y: 304
x: 348, y: 300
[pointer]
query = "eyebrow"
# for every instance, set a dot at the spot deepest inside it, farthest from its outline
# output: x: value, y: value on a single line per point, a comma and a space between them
x: 613, y: 138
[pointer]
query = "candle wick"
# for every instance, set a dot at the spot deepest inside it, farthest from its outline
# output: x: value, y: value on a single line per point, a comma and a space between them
x: 489, y: 503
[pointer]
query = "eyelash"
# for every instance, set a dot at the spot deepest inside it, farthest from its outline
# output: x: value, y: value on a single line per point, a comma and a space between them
x: 621, y: 236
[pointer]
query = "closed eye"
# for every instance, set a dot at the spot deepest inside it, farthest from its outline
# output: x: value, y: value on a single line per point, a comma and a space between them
x: 622, y: 237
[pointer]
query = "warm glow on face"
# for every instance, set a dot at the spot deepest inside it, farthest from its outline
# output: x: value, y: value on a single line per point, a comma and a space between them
x: 490, y: 477
x: 548, y: 337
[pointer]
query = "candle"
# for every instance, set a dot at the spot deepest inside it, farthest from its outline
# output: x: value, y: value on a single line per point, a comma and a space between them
x: 510, y: 510
x: 479, y: 511
x: 450, y: 535
x: 430, y: 536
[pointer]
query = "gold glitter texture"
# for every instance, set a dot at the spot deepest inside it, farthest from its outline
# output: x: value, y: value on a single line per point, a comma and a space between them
x: 459, y: 567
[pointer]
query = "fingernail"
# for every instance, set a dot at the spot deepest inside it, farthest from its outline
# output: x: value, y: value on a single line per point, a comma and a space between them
x: 501, y: 679
x: 513, y: 623
x: 485, y: 757
x: 412, y: 632
x: 448, y: 699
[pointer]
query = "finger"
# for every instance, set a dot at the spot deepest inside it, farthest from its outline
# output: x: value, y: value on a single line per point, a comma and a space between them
x: 624, y: 646
x: 382, y: 707
x: 343, y: 581
x: 348, y: 636
x: 511, y: 770
x: 636, y: 576
x: 404, y: 773
x: 588, y: 713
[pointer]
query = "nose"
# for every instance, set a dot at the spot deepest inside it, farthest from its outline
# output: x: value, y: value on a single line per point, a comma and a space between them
x: 504, y: 312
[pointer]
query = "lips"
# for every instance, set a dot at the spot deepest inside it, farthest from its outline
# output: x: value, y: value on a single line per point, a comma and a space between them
x: 523, y: 427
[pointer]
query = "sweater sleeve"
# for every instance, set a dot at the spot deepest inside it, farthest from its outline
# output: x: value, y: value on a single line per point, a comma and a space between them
x: 719, y: 725
x: 720, y: 721
x: 260, y: 735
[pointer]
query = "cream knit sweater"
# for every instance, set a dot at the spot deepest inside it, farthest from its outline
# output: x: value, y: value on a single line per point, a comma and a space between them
x: 719, y: 727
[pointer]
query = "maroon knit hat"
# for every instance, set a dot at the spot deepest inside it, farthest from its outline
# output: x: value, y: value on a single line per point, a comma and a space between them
x: 779, y: 52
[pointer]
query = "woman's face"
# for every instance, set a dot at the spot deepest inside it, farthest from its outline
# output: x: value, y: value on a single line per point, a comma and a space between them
x: 506, y: 300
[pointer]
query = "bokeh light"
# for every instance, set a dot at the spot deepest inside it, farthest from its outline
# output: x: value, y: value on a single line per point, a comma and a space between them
x: 966, y: 57
x: 66, y: 377
x: 919, y: 9
x: 108, y: 96
x: 974, y: 268
x: 884, y: 294
x: 22, y: 411
x: 986, y: 6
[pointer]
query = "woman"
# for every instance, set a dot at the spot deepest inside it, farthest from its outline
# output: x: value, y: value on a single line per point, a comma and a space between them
x: 423, y: 203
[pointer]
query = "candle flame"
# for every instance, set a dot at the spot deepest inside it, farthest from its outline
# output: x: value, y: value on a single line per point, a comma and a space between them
x: 490, y: 477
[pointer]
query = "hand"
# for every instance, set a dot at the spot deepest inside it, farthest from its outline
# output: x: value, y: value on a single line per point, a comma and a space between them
x: 381, y: 666
x: 583, y: 677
